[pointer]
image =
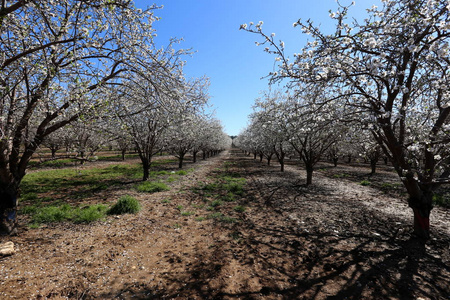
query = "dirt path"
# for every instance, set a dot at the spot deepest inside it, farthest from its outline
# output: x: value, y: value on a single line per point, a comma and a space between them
x: 334, y: 240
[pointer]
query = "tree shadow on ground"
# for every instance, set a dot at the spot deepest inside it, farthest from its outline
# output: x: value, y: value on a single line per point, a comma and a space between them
x: 295, y: 243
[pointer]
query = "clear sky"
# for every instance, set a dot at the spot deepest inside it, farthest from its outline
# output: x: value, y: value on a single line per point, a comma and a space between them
x: 229, y: 56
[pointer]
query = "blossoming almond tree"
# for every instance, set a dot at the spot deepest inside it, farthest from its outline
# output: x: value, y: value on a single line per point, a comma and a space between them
x: 394, y: 70
x: 55, y: 58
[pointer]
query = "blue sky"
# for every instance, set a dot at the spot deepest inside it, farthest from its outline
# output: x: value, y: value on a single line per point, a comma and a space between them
x: 229, y: 56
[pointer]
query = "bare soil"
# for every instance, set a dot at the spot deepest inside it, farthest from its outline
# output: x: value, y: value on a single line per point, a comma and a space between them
x: 336, y: 239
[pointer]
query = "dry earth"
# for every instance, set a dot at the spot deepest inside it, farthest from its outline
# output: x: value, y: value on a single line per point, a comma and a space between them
x: 335, y: 239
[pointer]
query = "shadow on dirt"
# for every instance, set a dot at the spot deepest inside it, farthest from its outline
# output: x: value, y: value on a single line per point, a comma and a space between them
x: 295, y: 243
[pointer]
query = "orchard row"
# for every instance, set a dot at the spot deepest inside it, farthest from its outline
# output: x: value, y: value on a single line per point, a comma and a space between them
x: 381, y: 85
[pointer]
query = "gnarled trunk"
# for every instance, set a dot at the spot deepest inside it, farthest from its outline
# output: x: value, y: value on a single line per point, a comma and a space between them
x: 422, y: 207
x: 8, y: 209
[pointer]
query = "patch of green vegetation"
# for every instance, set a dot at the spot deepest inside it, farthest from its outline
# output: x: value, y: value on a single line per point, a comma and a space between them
x: 365, y: 183
x: 221, y: 217
x: 441, y: 200
x: 226, y: 219
x: 181, y: 172
x: 90, y: 213
x: 50, y: 214
x: 65, y: 212
x: 171, y: 179
x: 177, y: 226
x: 239, y: 208
x: 229, y: 197
x: 199, y: 219
x: 180, y: 207
x: 216, y: 203
x: 54, y: 163
x: 165, y: 201
x: 152, y: 187
x: 125, y: 205
x: 61, y: 182
x: 187, y: 213
x: 197, y: 205
x: 160, y: 162
x: 216, y: 215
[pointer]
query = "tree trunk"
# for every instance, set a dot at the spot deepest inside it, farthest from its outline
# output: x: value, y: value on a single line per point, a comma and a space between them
x: 180, y: 161
x: 8, y: 209
x: 53, y: 152
x: 146, y: 169
x: 194, y: 156
x: 309, y: 173
x: 261, y: 157
x: 349, y: 158
x: 254, y: 155
x: 123, y: 153
x: 373, y: 166
x: 422, y: 207
x: 335, y: 161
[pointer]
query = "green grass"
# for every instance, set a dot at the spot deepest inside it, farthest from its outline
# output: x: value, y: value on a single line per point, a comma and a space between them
x: 90, y: 213
x: 64, y: 213
x: 216, y: 203
x: 152, y: 187
x: 165, y: 201
x: 71, y: 183
x: 365, y: 183
x: 199, y: 219
x: 221, y: 217
x: 441, y: 200
x: 239, y: 208
x: 125, y: 205
x: 187, y: 213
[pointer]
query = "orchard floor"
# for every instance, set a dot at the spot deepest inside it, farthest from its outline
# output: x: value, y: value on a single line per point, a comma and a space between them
x: 336, y: 239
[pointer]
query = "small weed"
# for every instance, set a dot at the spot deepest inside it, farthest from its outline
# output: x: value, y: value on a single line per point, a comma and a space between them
x: 216, y: 215
x: 221, y: 217
x: 152, y: 187
x: 226, y: 219
x: 165, y: 201
x: 187, y: 213
x: 239, y: 208
x: 181, y: 172
x: 216, y: 203
x: 180, y: 207
x: 199, y: 219
x: 365, y: 183
x: 125, y: 205
x: 177, y: 226
x: 198, y: 205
